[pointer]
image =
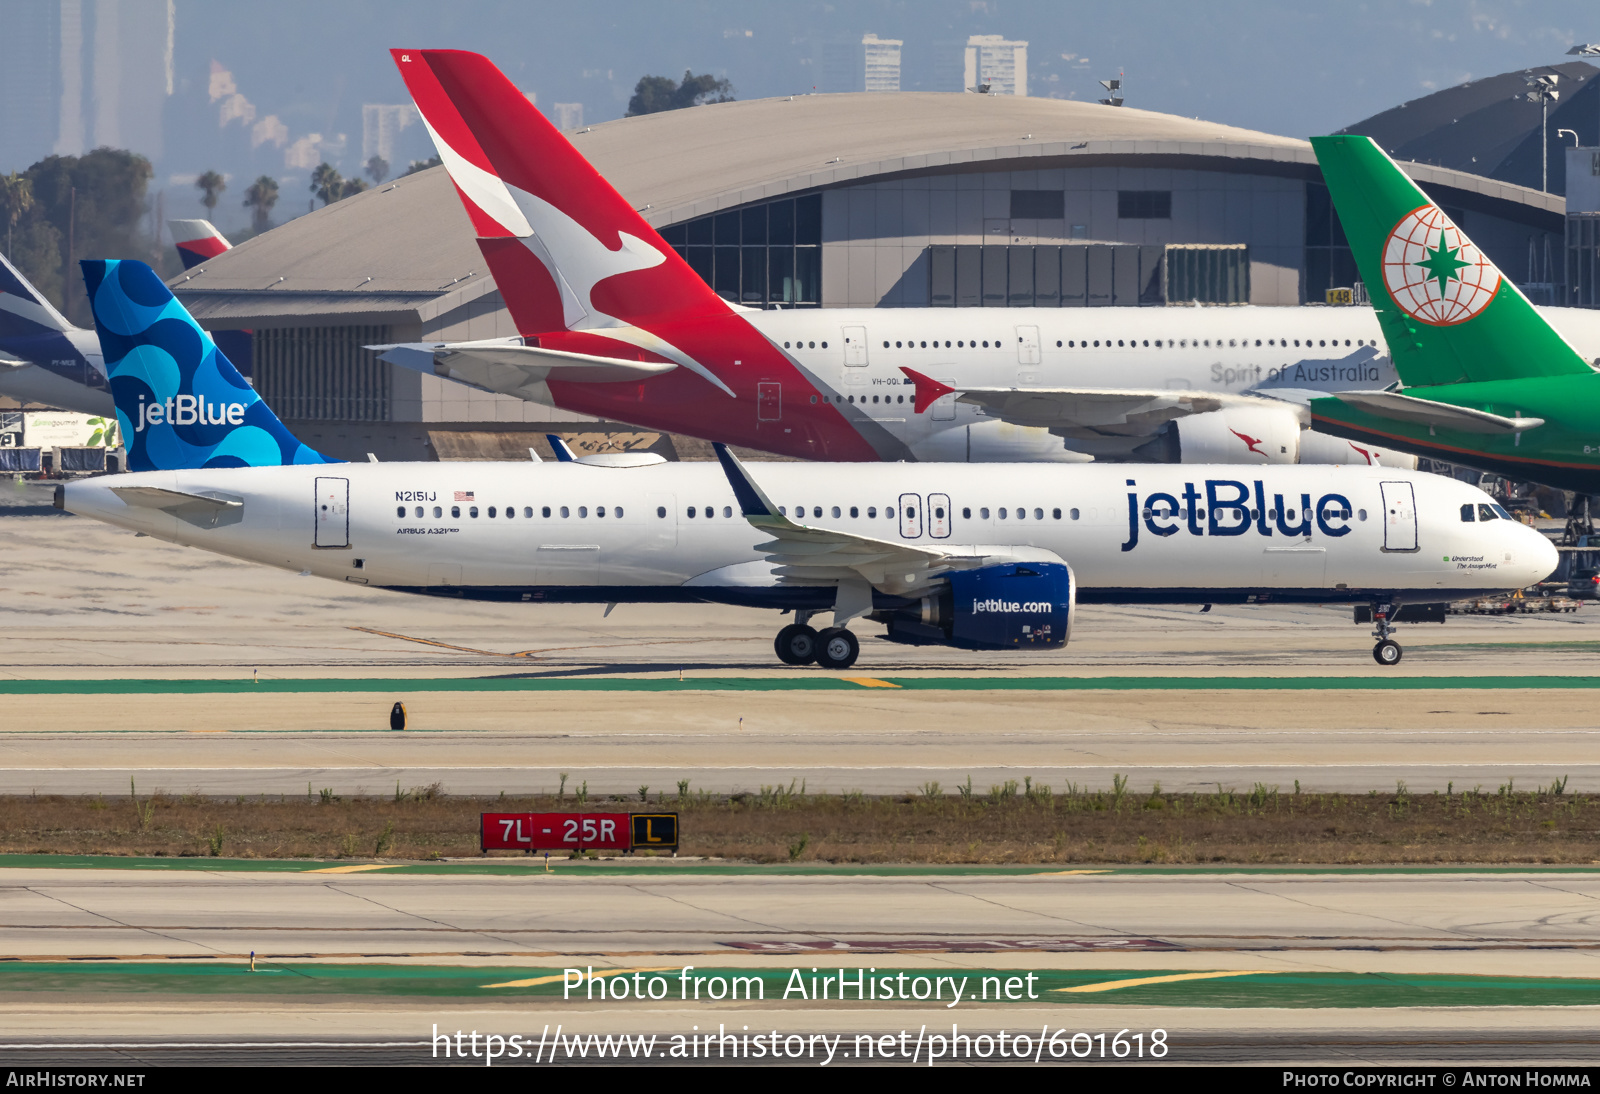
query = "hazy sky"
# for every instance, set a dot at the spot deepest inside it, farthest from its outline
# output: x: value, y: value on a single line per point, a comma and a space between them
x: 1293, y: 68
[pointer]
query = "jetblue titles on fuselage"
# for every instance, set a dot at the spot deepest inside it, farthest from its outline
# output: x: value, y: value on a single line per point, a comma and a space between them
x: 1233, y: 508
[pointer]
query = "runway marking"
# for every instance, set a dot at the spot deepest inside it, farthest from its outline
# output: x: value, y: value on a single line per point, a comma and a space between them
x: 868, y: 682
x: 444, y: 645
x: 796, y: 681
x: 1113, y: 985
x: 357, y: 869
x: 1069, y: 873
x: 540, y: 980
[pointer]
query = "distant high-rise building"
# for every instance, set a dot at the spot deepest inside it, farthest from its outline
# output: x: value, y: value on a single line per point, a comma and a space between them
x: 882, y: 62
x: 78, y: 74
x: 998, y: 62
x: 567, y: 115
x: 381, y: 127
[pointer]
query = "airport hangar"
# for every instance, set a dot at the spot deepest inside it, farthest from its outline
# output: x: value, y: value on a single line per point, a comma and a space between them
x: 852, y: 200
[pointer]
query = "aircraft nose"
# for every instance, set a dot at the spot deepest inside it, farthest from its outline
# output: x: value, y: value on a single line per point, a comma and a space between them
x: 1540, y: 554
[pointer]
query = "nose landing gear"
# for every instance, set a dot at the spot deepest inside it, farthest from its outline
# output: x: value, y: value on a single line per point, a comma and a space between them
x: 1387, y: 652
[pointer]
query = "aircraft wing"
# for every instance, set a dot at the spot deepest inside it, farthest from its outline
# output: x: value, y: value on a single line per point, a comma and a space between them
x: 1083, y: 413
x: 508, y: 367
x: 1407, y: 408
x: 821, y: 556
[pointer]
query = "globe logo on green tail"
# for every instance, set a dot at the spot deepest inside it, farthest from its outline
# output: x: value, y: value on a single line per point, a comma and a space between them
x: 1434, y: 272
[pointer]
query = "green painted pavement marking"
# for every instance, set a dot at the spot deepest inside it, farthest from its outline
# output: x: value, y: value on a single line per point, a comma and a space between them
x: 663, y: 867
x: 798, y: 682
x: 1145, y: 987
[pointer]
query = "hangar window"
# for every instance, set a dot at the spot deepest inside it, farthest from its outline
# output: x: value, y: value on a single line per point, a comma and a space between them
x: 764, y: 255
x: 1038, y: 205
x: 1144, y: 204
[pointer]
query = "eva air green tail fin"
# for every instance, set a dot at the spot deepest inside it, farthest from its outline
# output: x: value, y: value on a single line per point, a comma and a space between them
x: 1448, y: 314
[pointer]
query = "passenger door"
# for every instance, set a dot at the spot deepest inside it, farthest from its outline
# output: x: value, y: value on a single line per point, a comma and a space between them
x: 1027, y: 345
x: 1399, y: 516
x: 910, y: 516
x: 769, y: 401
x: 855, y: 346
x: 939, y: 516
x: 333, y: 513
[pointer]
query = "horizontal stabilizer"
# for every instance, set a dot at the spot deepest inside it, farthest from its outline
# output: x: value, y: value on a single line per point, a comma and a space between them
x: 1407, y: 408
x: 208, y: 510
x: 507, y: 367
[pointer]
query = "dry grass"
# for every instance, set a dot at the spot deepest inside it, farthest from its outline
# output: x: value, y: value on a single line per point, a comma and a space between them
x: 1010, y: 823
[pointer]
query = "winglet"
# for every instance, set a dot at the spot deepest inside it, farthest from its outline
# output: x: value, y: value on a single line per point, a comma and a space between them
x: 563, y: 451
x: 753, y: 503
x: 929, y: 390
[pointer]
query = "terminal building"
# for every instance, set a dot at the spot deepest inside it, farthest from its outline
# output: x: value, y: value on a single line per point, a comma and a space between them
x: 853, y: 200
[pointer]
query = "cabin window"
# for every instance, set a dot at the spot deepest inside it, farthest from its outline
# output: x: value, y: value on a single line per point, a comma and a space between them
x: 661, y: 511
x: 966, y: 514
x: 473, y: 512
x: 836, y: 511
x: 565, y: 512
x: 616, y: 511
x: 816, y: 510
x: 727, y: 510
x: 491, y: 512
x: 888, y: 511
x: 455, y: 511
x: 545, y: 512
x: 400, y: 511
x: 511, y: 511
x: 872, y: 511
x: 1002, y: 514
x: 1056, y: 513
x: 437, y: 511
x: 527, y: 511
x: 691, y: 512
x: 600, y: 511
x: 1361, y: 514
x: 1073, y: 514
x: 984, y: 513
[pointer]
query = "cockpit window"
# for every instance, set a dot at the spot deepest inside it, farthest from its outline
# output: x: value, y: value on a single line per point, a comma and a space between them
x: 1487, y: 512
x: 1503, y: 514
x: 1469, y: 513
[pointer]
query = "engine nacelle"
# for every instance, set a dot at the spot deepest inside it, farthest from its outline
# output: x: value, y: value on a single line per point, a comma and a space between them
x: 1321, y: 448
x: 1009, y: 606
x: 1254, y: 435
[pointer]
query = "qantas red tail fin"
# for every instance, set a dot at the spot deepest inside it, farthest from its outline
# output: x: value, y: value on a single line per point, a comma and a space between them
x: 567, y: 250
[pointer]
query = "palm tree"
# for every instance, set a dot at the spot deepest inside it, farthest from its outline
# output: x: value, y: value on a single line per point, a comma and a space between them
x: 326, y: 183
x: 259, y: 199
x: 17, y: 194
x: 352, y: 187
x: 377, y: 170
x: 211, y: 186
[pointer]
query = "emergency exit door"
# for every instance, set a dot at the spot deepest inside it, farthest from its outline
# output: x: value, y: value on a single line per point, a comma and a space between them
x: 1399, y: 516
x: 1027, y: 345
x: 333, y: 513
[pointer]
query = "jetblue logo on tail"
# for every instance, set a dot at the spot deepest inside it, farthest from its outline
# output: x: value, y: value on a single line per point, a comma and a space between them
x: 180, y: 401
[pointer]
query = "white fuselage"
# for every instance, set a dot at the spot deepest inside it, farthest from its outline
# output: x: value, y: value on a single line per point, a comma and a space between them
x: 673, y: 531
x: 1290, y: 354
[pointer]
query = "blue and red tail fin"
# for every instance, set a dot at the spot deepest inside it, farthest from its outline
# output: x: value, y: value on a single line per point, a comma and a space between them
x: 567, y: 251
x: 197, y: 241
x: 180, y: 402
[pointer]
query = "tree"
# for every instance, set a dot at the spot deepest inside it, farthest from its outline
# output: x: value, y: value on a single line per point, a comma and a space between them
x: 377, y: 170
x: 326, y: 183
x: 423, y: 165
x: 654, y: 94
x: 93, y: 205
x: 259, y: 198
x: 210, y: 186
x: 351, y: 188
x: 16, y: 196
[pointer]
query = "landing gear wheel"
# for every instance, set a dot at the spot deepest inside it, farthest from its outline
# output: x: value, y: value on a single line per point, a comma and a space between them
x: 796, y: 644
x: 1387, y: 652
x: 837, y: 648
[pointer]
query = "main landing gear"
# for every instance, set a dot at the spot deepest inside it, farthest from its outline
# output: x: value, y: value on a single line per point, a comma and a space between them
x: 1387, y: 652
x: 832, y: 648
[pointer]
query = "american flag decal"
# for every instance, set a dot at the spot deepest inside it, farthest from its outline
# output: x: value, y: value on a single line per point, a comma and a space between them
x: 464, y: 495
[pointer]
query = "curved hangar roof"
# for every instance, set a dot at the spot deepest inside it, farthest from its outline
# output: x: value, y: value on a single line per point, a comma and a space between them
x: 404, y: 252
